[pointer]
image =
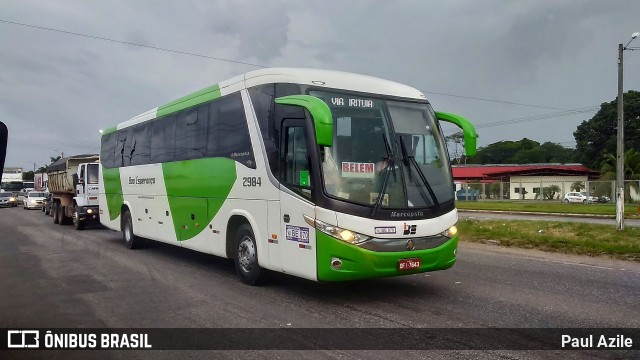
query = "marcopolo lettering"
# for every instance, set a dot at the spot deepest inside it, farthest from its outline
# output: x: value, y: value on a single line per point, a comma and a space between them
x: 406, y: 214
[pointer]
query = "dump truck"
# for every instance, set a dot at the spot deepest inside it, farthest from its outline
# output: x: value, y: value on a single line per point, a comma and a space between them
x: 73, y: 184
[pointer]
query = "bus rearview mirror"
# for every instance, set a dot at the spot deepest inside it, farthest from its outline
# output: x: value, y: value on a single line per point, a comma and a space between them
x: 319, y: 110
x: 468, y: 130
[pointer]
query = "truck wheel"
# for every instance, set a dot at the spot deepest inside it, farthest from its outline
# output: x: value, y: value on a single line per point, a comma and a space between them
x: 60, y: 214
x: 54, y: 212
x: 246, y: 256
x: 78, y: 224
x: 130, y: 239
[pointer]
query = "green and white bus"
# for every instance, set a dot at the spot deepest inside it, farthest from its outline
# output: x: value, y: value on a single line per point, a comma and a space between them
x: 324, y: 175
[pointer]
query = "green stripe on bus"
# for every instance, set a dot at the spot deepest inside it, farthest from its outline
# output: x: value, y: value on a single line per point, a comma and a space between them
x: 198, y: 97
x: 196, y: 190
x: 109, y: 130
x: 113, y: 191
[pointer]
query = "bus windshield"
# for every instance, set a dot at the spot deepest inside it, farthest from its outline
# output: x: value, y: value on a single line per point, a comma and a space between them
x: 12, y: 186
x: 385, y: 144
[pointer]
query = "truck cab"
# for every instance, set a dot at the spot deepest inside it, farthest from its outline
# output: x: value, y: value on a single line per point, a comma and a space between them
x: 86, y: 196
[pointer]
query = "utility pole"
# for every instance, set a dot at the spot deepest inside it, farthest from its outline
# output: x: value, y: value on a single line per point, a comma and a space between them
x: 620, y: 147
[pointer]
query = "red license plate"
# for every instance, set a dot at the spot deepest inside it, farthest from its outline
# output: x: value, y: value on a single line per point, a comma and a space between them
x: 408, y: 264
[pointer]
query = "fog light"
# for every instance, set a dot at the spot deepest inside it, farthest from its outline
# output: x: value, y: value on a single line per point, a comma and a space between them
x: 336, y: 263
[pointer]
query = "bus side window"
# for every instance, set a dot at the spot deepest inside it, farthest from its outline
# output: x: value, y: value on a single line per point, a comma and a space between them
x: 296, y: 172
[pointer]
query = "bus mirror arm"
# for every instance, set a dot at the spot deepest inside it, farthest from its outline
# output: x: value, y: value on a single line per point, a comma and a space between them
x: 468, y: 130
x: 319, y: 110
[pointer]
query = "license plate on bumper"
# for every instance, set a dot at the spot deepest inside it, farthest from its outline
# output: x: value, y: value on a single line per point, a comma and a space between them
x: 408, y: 264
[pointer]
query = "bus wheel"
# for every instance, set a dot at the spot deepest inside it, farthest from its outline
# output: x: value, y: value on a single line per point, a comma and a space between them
x: 246, y: 256
x: 130, y: 240
x: 77, y: 223
x: 54, y: 212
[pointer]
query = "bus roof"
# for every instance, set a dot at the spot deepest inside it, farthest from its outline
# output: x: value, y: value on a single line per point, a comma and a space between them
x: 313, y: 77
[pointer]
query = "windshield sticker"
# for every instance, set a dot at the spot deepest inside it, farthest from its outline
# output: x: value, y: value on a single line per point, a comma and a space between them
x: 373, y: 198
x: 304, y: 177
x: 358, y: 170
x: 385, y: 229
x: 297, y: 233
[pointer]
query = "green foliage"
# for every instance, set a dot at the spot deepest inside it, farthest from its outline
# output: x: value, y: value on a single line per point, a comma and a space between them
x: 550, y: 192
x: 577, y: 238
x: 631, y: 170
x: 577, y: 186
x: 524, y: 151
x: 27, y: 176
x: 597, y: 136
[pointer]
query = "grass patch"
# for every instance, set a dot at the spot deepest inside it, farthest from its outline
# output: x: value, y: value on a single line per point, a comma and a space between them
x: 571, y: 238
x: 631, y: 210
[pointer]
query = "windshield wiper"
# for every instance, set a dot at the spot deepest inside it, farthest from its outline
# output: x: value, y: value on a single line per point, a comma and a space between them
x: 385, y: 181
x: 411, y: 159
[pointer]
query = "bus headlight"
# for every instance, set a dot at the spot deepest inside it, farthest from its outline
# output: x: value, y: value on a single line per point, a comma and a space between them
x: 337, y: 232
x: 450, y: 232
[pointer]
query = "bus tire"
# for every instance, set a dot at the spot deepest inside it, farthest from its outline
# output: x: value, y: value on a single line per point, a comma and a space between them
x: 131, y: 241
x: 246, y: 256
x: 77, y: 223
x: 54, y: 212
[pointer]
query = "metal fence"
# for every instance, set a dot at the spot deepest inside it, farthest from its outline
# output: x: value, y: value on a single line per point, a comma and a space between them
x: 572, y: 191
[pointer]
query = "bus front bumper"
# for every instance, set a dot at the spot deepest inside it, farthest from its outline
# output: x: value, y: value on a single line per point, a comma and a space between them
x: 359, y: 263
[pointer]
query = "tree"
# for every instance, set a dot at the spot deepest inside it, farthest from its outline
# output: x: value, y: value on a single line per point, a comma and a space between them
x: 577, y: 186
x: 27, y: 176
x: 524, y: 151
x: 550, y: 191
x: 631, y: 170
x: 598, y: 136
x: 455, y: 145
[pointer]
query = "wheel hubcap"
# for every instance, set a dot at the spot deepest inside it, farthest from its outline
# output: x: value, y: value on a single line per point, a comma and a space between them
x: 246, y: 254
x: 127, y: 231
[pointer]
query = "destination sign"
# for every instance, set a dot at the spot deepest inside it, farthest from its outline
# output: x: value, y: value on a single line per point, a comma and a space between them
x: 352, y: 102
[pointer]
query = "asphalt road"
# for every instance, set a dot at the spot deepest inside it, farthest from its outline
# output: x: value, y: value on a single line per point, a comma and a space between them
x: 487, y: 215
x: 54, y: 276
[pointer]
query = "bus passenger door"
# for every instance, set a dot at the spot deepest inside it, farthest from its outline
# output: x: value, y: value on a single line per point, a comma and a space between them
x: 298, y: 239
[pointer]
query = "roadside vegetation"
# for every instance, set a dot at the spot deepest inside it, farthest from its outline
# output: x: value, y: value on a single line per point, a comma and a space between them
x: 564, y: 237
x: 631, y: 210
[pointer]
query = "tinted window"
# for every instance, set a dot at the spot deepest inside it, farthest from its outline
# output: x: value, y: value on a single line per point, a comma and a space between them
x: 228, y: 134
x: 191, y: 134
x: 163, y: 139
x: 123, y: 148
x: 108, y: 149
x: 141, y: 144
x: 296, y: 170
x: 270, y: 116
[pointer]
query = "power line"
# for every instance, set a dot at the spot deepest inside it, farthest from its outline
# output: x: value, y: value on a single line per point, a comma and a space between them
x: 131, y: 43
x: 539, y: 117
x: 95, y: 37
x: 536, y: 117
x: 496, y: 101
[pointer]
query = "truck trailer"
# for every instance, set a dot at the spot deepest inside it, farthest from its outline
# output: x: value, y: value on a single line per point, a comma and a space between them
x: 73, y: 184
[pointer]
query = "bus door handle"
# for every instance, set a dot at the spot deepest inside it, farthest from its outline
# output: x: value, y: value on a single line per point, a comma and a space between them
x: 286, y: 218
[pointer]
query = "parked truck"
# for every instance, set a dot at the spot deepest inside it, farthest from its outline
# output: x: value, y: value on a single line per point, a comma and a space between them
x: 73, y: 184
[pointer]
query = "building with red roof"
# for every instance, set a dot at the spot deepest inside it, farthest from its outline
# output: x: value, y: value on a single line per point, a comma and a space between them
x: 524, y: 181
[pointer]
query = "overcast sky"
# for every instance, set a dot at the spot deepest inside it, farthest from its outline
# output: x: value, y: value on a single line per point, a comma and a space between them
x: 57, y: 90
